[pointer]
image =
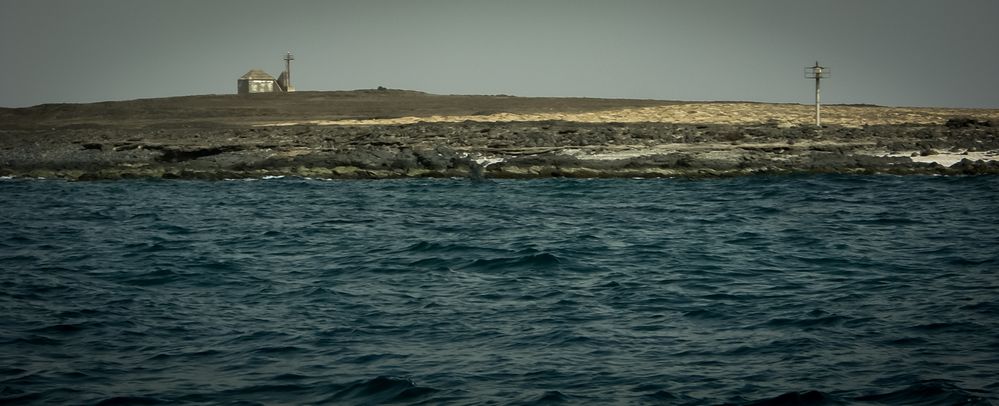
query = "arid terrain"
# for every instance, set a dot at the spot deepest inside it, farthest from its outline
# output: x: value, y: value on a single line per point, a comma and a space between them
x: 394, y: 133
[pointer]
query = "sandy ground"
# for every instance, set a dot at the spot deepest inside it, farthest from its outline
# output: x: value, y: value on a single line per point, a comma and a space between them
x: 786, y: 115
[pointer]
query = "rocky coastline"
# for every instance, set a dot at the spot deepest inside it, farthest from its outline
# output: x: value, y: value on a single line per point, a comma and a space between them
x: 74, y: 149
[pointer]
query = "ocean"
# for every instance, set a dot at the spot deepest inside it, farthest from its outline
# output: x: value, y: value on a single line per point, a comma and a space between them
x: 761, y: 290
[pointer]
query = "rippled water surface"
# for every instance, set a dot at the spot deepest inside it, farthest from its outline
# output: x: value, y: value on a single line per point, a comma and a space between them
x: 805, y: 290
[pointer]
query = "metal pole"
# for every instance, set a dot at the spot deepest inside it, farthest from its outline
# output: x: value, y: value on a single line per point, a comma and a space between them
x: 817, y: 72
x: 818, y: 109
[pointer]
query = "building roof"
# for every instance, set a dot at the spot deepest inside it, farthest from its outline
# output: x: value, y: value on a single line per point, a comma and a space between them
x: 257, y: 74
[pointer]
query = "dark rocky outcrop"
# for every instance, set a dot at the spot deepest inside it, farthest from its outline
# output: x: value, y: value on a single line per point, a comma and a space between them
x: 965, y: 122
x: 515, y: 150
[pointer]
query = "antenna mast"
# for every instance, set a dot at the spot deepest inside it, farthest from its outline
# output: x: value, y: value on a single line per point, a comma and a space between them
x: 818, y: 73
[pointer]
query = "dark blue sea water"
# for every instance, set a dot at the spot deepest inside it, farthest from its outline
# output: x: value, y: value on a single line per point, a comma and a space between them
x: 813, y: 290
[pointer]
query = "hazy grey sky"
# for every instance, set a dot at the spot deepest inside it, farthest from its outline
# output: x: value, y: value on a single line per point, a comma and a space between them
x: 891, y: 52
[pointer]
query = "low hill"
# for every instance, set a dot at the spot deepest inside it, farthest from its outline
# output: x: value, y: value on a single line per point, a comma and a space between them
x: 397, y: 107
x: 238, y: 110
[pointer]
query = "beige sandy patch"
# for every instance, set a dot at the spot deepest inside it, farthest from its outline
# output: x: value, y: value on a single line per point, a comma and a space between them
x: 704, y: 113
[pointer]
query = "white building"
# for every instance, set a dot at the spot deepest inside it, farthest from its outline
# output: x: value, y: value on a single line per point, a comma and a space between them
x: 257, y: 81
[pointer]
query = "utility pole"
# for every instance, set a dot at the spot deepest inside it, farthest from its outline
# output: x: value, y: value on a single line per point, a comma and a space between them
x: 287, y: 68
x: 818, y: 73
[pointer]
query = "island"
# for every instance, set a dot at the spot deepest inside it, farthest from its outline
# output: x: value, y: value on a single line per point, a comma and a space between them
x: 385, y: 133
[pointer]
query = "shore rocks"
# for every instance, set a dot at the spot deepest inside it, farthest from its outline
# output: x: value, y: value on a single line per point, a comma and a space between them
x: 503, y: 150
x: 966, y: 122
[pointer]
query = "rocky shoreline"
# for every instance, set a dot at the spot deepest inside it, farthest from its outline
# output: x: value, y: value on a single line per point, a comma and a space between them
x: 482, y: 149
x: 499, y: 150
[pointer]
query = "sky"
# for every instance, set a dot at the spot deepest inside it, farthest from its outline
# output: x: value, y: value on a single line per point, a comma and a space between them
x: 936, y: 53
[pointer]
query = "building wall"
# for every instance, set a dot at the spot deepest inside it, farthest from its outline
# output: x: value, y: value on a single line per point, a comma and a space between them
x: 255, y: 86
x: 261, y: 86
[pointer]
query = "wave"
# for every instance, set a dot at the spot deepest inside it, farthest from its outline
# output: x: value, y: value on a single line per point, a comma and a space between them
x: 925, y: 393
x: 13, y: 396
x: 929, y: 393
x: 959, y: 326
x: 62, y: 328
x: 130, y: 401
x: 551, y: 398
x: 34, y: 340
x: 152, y: 278
x: 383, y: 389
x: 809, y: 398
x: 809, y: 322
x: 530, y: 261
